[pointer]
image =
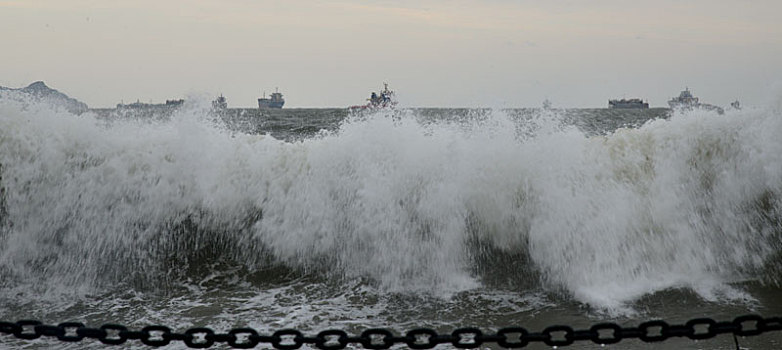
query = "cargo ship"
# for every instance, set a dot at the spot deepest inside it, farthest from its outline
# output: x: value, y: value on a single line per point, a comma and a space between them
x: 274, y: 101
x: 633, y: 103
x: 141, y: 105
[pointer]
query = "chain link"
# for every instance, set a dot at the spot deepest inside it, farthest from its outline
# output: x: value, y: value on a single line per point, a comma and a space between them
x: 378, y: 338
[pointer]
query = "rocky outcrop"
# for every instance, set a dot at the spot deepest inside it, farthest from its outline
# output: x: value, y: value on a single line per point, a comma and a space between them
x: 38, y: 91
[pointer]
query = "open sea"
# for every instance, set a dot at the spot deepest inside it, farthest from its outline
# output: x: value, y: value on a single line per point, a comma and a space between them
x: 314, y: 219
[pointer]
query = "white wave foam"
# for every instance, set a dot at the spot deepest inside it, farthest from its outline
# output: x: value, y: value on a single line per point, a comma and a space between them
x: 690, y: 202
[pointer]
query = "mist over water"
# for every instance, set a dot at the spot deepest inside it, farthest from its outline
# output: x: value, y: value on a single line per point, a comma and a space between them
x: 488, y: 203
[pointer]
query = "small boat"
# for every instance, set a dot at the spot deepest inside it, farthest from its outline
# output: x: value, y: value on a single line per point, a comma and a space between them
x: 384, y: 99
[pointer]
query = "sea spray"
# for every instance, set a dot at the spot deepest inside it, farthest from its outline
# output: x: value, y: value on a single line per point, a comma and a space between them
x: 406, y: 203
x: 669, y: 212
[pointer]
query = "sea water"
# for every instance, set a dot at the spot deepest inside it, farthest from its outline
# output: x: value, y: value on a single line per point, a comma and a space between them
x: 316, y: 219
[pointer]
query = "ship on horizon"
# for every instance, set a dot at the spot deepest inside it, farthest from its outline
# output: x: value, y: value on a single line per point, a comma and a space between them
x: 385, y: 99
x: 686, y: 101
x: 141, y: 105
x: 632, y: 103
x: 220, y: 104
x: 275, y: 100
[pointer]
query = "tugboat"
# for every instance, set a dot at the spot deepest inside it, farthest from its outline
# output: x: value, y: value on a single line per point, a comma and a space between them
x: 686, y: 101
x: 633, y: 103
x: 385, y: 99
x: 275, y: 100
x: 220, y: 104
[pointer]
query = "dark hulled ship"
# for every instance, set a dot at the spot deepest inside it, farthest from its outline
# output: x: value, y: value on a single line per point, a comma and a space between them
x: 631, y: 103
x: 274, y: 101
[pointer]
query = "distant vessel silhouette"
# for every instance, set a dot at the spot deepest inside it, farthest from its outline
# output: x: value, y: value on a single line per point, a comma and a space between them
x: 385, y: 99
x: 275, y: 100
x: 220, y: 103
x: 686, y: 101
x: 633, y: 103
x: 141, y: 105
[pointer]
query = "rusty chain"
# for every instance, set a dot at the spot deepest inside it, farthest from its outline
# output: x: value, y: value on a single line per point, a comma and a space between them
x: 378, y: 338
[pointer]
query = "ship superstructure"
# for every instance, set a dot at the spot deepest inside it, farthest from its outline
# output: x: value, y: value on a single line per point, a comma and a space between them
x: 686, y: 101
x: 220, y: 104
x: 384, y: 99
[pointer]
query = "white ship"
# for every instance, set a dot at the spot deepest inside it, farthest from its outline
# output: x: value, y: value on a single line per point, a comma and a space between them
x: 686, y: 101
x: 385, y: 99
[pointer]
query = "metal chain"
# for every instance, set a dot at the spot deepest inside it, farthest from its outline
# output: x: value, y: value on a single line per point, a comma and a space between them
x: 378, y: 338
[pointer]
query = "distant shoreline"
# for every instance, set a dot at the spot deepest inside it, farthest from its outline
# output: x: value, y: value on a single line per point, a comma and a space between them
x: 278, y: 110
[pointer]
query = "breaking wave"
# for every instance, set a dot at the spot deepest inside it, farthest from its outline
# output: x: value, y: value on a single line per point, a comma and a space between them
x: 493, y: 200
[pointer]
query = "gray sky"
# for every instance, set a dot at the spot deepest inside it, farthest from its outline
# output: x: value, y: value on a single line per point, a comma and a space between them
x: 440, y: 53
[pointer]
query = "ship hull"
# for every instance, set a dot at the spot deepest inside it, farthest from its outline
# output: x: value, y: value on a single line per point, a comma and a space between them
x: 628, y: 104
x: 693, y: 106
x: 266, y: 104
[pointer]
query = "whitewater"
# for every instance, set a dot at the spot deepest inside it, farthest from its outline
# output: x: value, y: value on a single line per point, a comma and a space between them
x: 442, y: 218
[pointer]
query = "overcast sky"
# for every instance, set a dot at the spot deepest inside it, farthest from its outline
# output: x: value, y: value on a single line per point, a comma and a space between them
x: 441, y: 53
